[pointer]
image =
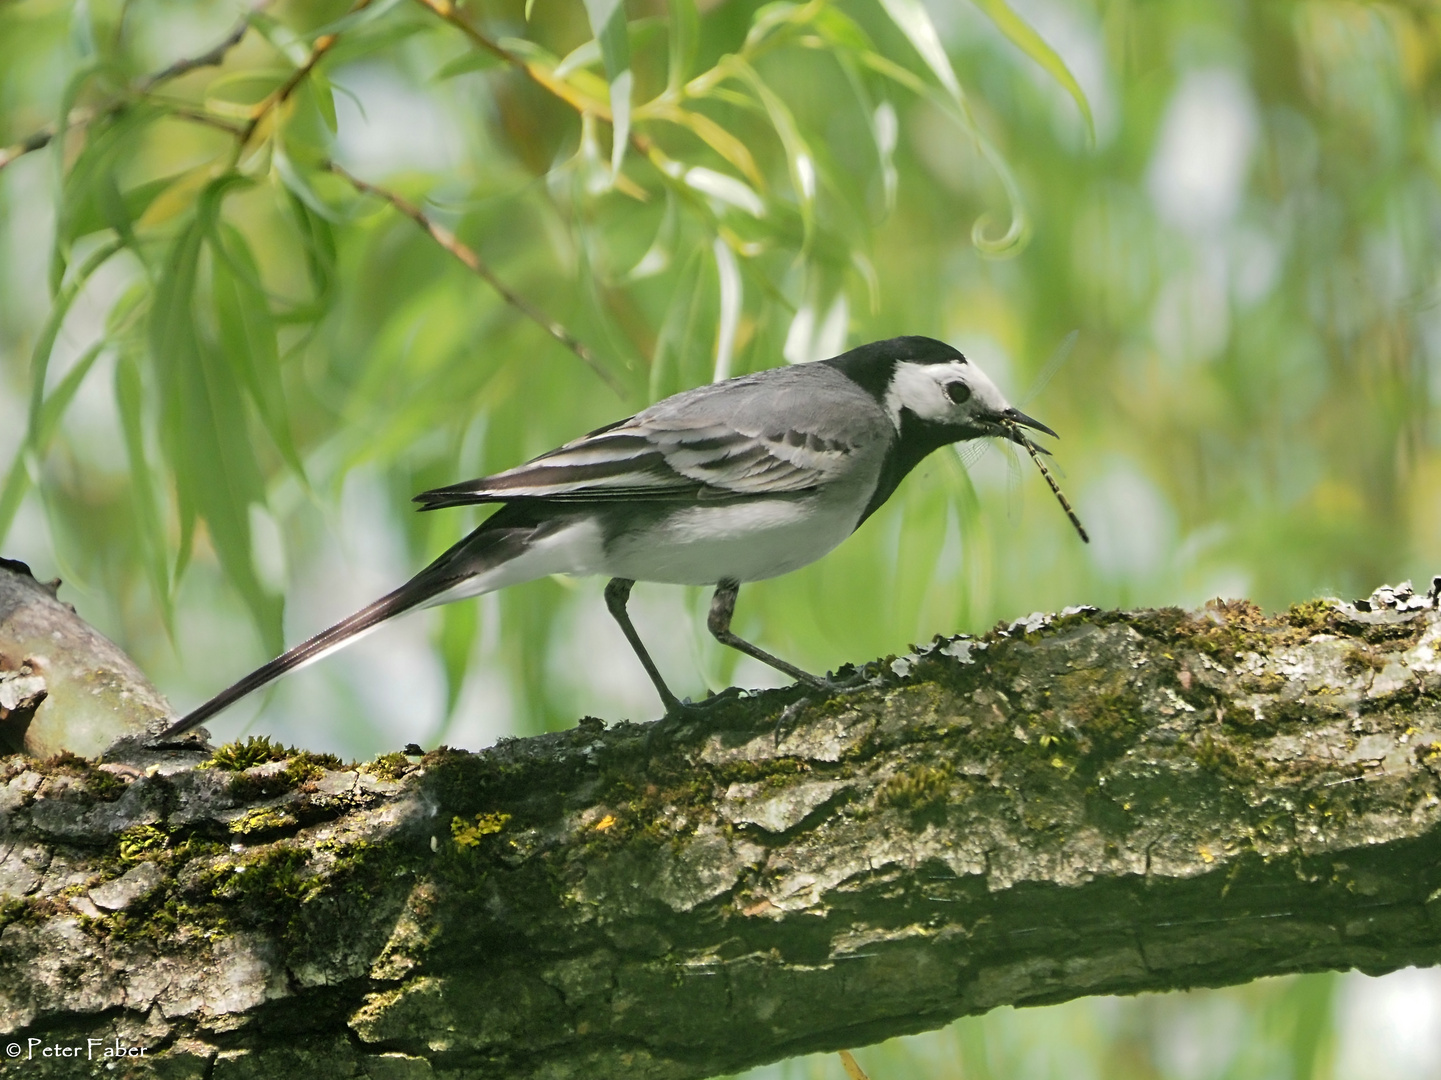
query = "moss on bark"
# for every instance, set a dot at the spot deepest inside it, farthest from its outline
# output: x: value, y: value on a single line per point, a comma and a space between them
x: 1100, y: 802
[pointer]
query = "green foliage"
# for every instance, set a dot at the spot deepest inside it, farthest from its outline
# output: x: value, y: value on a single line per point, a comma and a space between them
x: 240, y: 755
x: 1272, y: 1028
x: 390, y: 766
x: 210, y: 341
x: 469, y: 834
x: 140, y: 842
x: 219, y: 338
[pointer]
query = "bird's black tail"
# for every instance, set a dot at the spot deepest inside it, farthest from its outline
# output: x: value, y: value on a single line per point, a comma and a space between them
x: 501, y: 538
x: 347, y: 630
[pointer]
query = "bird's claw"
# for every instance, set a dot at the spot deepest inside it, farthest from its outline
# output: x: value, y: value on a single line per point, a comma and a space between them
x: 853, y: 680
x: 680, y: 708
x: 833, y: 683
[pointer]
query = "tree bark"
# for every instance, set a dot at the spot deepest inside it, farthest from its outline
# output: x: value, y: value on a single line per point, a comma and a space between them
x: 63, y: 685
x: 1095, y: 802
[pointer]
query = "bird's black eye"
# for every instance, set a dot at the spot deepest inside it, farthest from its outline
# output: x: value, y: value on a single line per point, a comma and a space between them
x: 958, y: 392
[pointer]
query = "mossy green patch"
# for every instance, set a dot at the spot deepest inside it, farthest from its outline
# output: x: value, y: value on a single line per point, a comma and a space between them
x: 1228, y: 627
x: 300, y: 766
x: 1217, y: 756
x: 140, y: 842
x: 921, y: 791
x: 468, y: 834
x: 387, y: 766
x: 307, y: 766
x: 1265, y: 682
x: 100, y: 783
x: 238, y: 756
x: 1105, y: 707
x: 1364, y: 658
x: 13, y: 909
x: 263, y: 820
x: 266, y: 887
x: 1313, y: 616
x: 744, y: 771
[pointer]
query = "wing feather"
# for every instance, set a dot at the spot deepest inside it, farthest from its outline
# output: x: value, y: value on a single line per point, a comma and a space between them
x: 702, y: 445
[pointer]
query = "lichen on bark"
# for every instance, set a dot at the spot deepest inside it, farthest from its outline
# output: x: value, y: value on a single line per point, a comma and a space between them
x: 1095, y: 802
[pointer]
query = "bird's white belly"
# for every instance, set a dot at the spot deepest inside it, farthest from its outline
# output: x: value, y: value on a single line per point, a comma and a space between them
x: 746, y: 540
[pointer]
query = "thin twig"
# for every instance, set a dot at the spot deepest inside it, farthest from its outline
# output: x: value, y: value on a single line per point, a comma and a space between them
x: 176, y: 111
x: 473, y: 262
x: 80, y: 118
x: 581, y: 102
x: 281, y: 94
x: 567, y: 93
x: 214, y: 58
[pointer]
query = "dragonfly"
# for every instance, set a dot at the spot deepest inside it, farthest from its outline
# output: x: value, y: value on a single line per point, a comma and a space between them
x: 971, y: 452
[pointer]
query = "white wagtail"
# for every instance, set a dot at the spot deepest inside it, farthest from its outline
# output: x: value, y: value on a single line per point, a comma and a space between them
x: 738, y: 481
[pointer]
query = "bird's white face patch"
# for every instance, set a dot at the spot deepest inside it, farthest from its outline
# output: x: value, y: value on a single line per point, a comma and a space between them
x: 931, y: 392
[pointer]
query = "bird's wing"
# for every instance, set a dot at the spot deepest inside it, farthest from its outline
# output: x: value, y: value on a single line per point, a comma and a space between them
x: 731, y: 440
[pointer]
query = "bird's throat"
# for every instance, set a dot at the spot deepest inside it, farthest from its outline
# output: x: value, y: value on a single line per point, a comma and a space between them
x: 916, y: 440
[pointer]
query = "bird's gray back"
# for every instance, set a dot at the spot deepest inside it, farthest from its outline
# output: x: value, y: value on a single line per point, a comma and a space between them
x: 812, y: 399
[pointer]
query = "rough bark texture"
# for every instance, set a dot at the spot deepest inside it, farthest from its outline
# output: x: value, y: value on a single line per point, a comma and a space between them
x: 1096, y: 802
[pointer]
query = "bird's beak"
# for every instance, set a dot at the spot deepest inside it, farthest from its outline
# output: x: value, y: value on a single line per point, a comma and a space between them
x: 1014, y: 417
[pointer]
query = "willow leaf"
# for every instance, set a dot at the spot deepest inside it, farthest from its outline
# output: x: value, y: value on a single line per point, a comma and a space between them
x: 317, y: 239
x: 607, y: 23
x: 61, y: 249
x: 45, y: 343
x: 89, y: 182
x: 657, y: 257
x: 55, y: 404
x: 174, y: 341
x: 47, y: 411
x: 677, y: 329
x: 684, y: 44
x: 799, y: 158
x: 466, y: 62
x: 130, y: 401
x: 583, y: 55
x: 353, y: 20
x: 1025, y: 38
x: 281, y: 38
x: 247, y: 335
x: 299, y: 184
x: 17, y: 484
x: 1014, y: 239
x: 768, y: 18
x: 912, y: 19
x: 203, y: 422
x: 840, y: 30
x: 728, y: 146
x: 730, y: 297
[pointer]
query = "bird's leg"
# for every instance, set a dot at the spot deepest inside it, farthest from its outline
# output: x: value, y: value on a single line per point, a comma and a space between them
x: 722, y: 607
x: 617, y: 592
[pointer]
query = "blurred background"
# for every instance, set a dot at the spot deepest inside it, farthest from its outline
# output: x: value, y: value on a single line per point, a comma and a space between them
x: 1199, y: 240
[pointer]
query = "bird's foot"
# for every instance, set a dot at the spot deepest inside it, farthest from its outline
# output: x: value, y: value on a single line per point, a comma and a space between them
x: 681, y: 708
x: 847, y: 680
x: 784, y: 720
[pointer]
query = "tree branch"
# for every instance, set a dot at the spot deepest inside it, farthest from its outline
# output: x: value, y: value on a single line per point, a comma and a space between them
x: 79, y: 118
x: 471, y: 259
x: 282, y: 93
x: 543, y: 77
x: 582, y: 103
x: 1098, y: 802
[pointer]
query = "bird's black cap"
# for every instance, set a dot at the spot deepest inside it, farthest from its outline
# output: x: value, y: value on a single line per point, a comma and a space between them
x: 871, y: 366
